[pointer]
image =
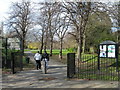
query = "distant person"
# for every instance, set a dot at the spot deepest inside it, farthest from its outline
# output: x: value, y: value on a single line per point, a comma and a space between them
x: 45, y: 56
x: 38, y: 57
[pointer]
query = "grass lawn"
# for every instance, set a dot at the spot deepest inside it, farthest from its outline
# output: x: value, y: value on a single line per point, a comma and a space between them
x: 55, y: 51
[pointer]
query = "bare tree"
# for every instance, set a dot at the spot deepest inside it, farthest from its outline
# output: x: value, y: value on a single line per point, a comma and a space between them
x: 63, y: 27
x: 78, y: 13
x: 49, y: 10
x: 53, y: 10
x: 20, y: 20
x: 42, y: 31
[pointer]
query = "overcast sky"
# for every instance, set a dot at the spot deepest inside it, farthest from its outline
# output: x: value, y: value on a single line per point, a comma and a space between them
x: 4, y: 7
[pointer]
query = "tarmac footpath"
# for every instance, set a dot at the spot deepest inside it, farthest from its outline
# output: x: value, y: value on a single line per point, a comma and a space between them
x: 55, y: 78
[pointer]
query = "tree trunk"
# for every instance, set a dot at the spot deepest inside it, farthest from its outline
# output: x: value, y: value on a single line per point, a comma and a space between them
x: 41, y: 47
x: 45, y: 46
x: 51, y: 46
x: 118, y: 36
x: 78, y: 52
x: 60, y: 55
x: 42, y: 43
x: 23, y: 41
x: 80, y: 45
x: 45, y: 43
x: 84, y: 41
x: 21, y: 53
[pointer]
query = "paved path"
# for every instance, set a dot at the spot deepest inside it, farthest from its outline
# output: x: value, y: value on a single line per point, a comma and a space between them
x: 56, y: 78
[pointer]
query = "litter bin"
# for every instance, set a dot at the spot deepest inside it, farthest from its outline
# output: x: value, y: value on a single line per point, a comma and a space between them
x: 27, y: 59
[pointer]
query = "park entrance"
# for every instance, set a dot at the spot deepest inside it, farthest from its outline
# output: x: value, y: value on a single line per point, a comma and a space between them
x: 96, y: 66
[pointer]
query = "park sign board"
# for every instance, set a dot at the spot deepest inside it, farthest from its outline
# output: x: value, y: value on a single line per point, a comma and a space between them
x: 108, y: 49
x: 102, y: 50
x: 111, y: 51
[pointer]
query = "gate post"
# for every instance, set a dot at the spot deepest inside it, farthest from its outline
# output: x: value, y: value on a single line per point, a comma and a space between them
x: 12, y: 63
x: 70, y: 65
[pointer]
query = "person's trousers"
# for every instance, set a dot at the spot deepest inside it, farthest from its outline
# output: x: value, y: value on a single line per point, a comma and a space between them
x: 46, y: 60
x: 38, y: 64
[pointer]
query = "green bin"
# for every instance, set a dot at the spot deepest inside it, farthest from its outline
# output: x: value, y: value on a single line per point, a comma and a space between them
x: 27, y: 59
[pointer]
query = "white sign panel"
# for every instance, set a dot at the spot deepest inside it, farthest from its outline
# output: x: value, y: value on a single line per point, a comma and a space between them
x: 103, y: 51
x: 111, y: 50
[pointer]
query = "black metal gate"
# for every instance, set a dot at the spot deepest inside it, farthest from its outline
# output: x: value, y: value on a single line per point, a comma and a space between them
x: 87, y: 68
x: 16, y: 62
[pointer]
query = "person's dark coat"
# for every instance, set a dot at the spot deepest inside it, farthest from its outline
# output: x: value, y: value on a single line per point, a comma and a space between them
x: 45, y: 55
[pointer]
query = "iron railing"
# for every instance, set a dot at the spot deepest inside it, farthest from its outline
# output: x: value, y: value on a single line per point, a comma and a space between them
x: 88, y: 68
